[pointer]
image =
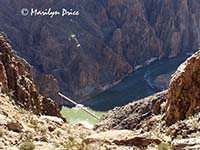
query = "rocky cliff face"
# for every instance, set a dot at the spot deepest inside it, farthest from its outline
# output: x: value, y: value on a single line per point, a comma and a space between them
x: 89, y: 52
x: 16, y: 81
x: 184, y: 90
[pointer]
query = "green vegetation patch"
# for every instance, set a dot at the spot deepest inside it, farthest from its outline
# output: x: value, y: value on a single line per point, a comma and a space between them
x: 27, y: 146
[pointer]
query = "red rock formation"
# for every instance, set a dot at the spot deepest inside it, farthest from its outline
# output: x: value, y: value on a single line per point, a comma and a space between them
x: 16, y: 81
x: 184, y: 90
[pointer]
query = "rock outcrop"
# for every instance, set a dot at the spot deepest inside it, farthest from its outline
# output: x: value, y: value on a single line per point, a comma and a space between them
x: 184, y: 90
x: 89, y: 52
x: 16, y: 81
x: 123, y: 137
x: 47, y: 86
x: 189, y: 144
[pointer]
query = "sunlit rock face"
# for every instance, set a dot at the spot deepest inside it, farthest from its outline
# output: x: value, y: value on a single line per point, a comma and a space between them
x: 89, y: 52
x: 184, y: 90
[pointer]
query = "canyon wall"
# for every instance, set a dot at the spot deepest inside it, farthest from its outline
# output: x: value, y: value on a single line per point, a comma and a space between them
x: 89, y: 52
x: 16, y: 81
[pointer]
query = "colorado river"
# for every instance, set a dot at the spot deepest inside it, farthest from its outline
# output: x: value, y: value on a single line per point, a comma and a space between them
x: 135, y: 86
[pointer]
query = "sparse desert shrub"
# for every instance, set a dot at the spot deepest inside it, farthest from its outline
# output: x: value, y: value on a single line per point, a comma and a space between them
x: 1, y: 132
x: 58, y: 132
x: 21, y: 135
x: 163, y: 146
x: 34, y: 122
x: 71, y: 139
x: 47, y: 120
x: 27, y: 146
x: 179, y: 136
x: 43, y: 129
x: 29, y: 136
x: 17, y: 117
x: 84, y: 146
x: 44, y: 139
x: 135, y: 148
x: 195, y: 125
x: 26, y: 136
x: 82, y: 135
x: 57, y: 144
x: 22, y: 111
x: 72, y: 144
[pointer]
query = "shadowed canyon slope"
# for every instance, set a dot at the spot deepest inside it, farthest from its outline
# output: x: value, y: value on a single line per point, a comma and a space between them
x: 90, y: 52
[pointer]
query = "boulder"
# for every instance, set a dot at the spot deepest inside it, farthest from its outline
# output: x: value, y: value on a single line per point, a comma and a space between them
x: 14, y: 126
x: 186, y: 144
x: 52, y: 118
x: 123, y: 137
